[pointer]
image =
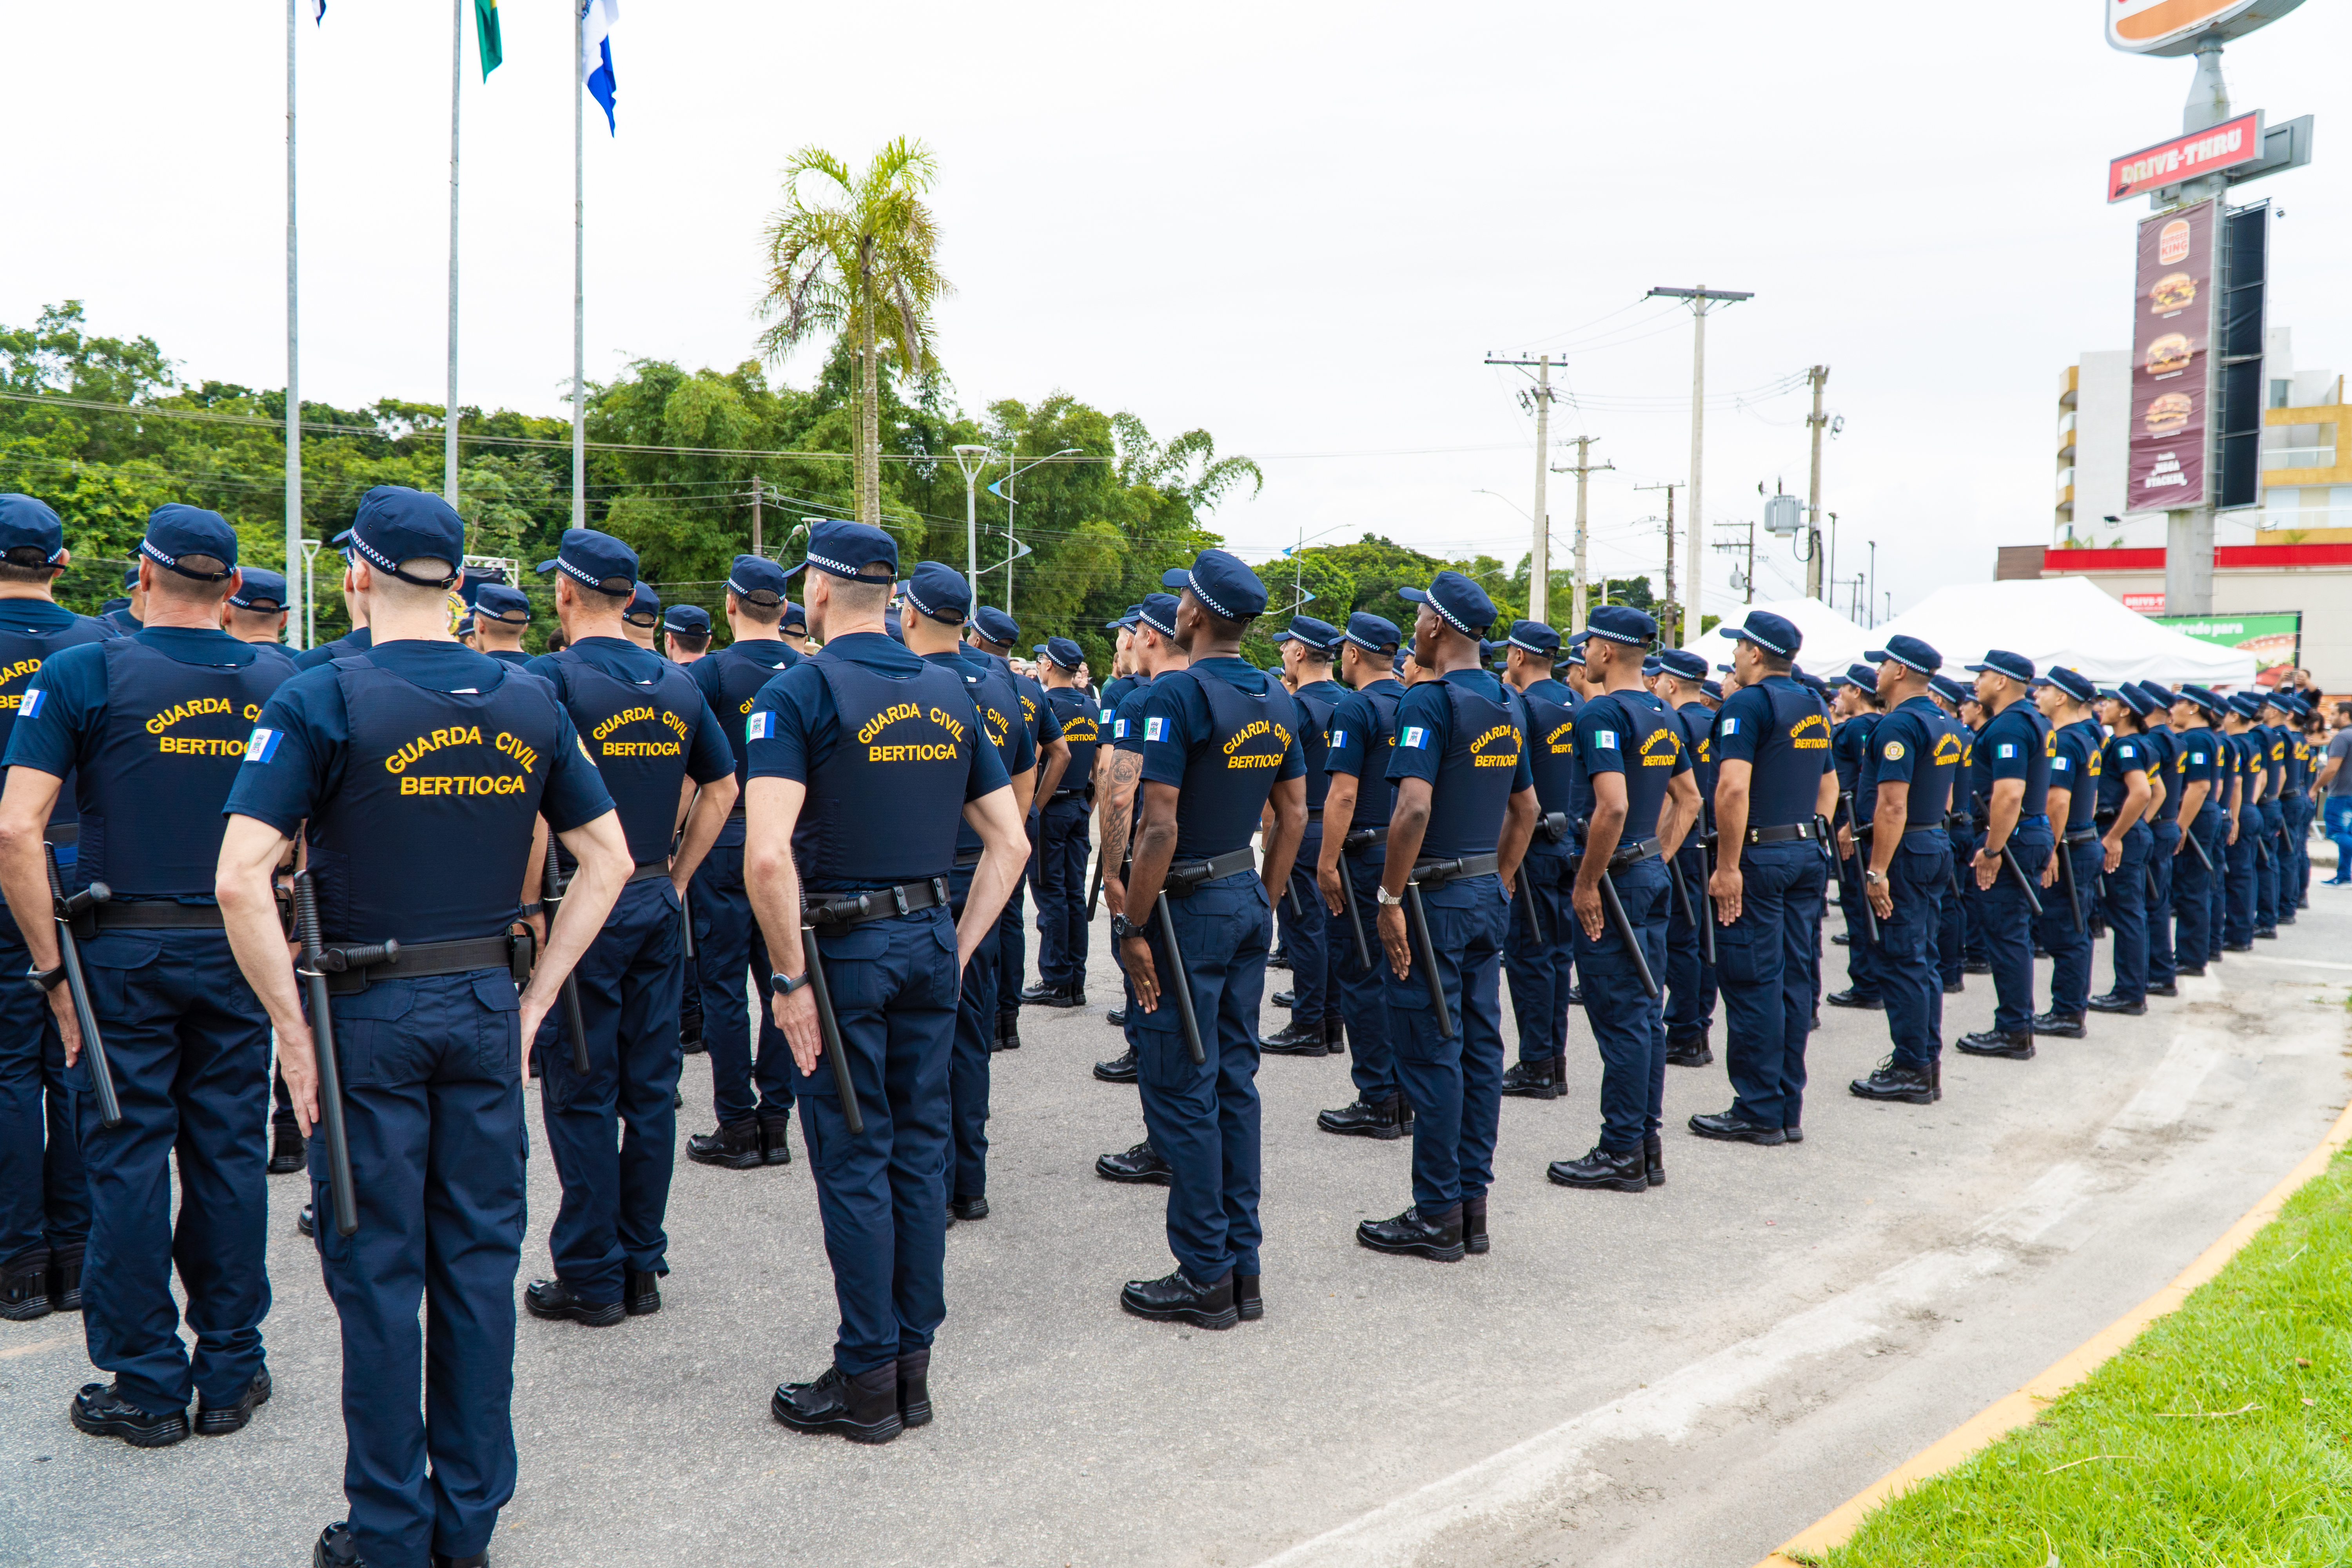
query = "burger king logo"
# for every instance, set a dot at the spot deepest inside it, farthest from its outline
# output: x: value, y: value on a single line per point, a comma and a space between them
x: 2167, y: 414
x: 2169, y: 355
x: 2173, y: 243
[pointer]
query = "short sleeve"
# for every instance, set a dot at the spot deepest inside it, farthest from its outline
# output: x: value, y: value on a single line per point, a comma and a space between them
x: 289, y: 756
x: 781, y: 732
x: 987, y: 774
x: 1127, y: 720
x: 1351, y: 726
x: 575, y: 794
x: 1424, y: 725
x: 1894, y: 750
x: 1601, y: 738
x: 63, y: 703
x: 1049, y: 726
x: 1740, y: 728
x: 1167, y: 724
x: 2009, y: 752
x: 712, y: 758
x: 1294, y: 761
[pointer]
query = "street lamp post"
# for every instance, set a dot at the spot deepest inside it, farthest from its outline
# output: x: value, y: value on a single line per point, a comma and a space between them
x: 972, y: 459
x: 1010, y: 554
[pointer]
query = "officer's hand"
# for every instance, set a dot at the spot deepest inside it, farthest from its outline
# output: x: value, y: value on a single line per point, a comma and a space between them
x: 1987, y: 867
x: 1335, y: 891
x: 69, y: 1025
x: 297, y: 1064
x: 1394, y: 941
x: 2234, y: 831
x: 1881, y: 897
x: 797, y: 1015
x: 1845, y: 843
x: 1589, y: 911
x: 2114, y: 854
x: 1114, y: 894
x: 2050, y: 870
x: 1136, y: 954
x: 1727, y: 887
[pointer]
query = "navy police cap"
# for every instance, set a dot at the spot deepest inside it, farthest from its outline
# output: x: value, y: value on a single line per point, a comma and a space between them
x: 1909, y: 652
x: 756, y: 580
x: 1376, y: 633
x: 1535, y: 638
x: 1224, y: 586
x: 845, y: 549
x: 1158, y: 611
x: 1459, y: 603
x: 2137, y: 699
x: 2200, y: 696
x: 596, y: 560
x: 1062, y: 651
x: 2000, y: 661
x: 1773, y: 634
x: 395, y: 524
x: 29, y: 524
x: 262, y: 590
x: 1951, y: 690
x: 175, y: 531
x: 1684, y: 664
x: 939, y: 592
x: 687, y: 620
x: 2245, y: 704
x: 2074, y: 683
x: 130, y: 572
x: 1623, y: 624
x: 994, y: 625
x: 1126, y: 621
x: 498, y: 601
x: 1317, y: 637
x: 1650, y: 665
x: 645, y: 607
x: 795, y: 618
x: 1863, y: 675
x: 1712, y: 688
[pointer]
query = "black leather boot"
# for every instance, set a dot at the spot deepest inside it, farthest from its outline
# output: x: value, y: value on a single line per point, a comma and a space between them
x: 863, y: 1408
x: 1008, y: 1032
x: 2016, y: 1047
x: 1246, y: 1299
x: 220, y: 1420
x: 1115, y: 1016
x: 1850, y: 997
x: 914, y: 1387
x: 640, y: 1292
x: 2064, y: 1026
x: 65, y: 1280
x: 1653, y: 1159
x: 1904, y: 1083
x: 1437, y: 1236
x: 733, y: 1147
x: 1730, y: 1127
x: 974, y: 1207
x: 1120, y: 1068
x: 287, y: 1152
x: 553, y: 1299
x: 776, y: 1140
x: 1604, y: 1170
x: 1140, y: 1166
x: 1180, y: 1299
x: 1335, y: 1035
x: 100, y: 1410
x: 1532, y: 1079
x: 1293, y: 1039
x: 1689, y: 1049
x: 1474, y: 1225
x: 1362, y: 1119
x: 2132, y: 1006
x: 25, y: 1287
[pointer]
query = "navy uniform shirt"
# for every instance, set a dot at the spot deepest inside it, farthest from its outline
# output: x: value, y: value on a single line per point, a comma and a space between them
x: 1698, y: 743
x: 1318, y: 706
x: 1114, y: 692
x: 439, y: 812
x: 2158, y: 749
x: 1363, y: 733
x: 990, y: 686
x: 122, y: 620
x: 1225, y: 766
x: 1917, y: 744
x: 795, y: 729
x: 1429, y: 745
x: 2275, y: 748
x: 151, y: 729
x: 1780, y: 730
x: 513, y: 656
x: 2197, y: 759
x: 645, y: 732
x: 1851, y: 747
x: 359, y: 639
x: 2122, y: 754
x: 1618, y: 733
x: 277, y: 650
x: 732, y: 680
x: 1044, y: 725
x: 32, y: 631
x: 1551, y: 709
x: 2076, y: 752
x: 1127, y: 720
x: 1082, y: 726
x: 2015, y: 744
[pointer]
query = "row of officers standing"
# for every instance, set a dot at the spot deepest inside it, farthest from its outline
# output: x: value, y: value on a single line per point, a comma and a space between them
x: 481, y: 851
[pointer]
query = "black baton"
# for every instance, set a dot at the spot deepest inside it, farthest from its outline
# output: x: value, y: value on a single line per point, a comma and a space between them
x: 101, y: 1070
x: 1355, y: 919
x: 1290, y: 896
x: 1179, y: 981
x: 1534, y: 910
x: 828, y: 1029
x: 1706, y: 926
x: 342, y: 1196
x: 2025, y: 882
x: 1615, y: 907
x: 2202, y: 857
x: 1094, y: 894
x: 550, y: 899
x: 686, y: 922
x: 2064, y: 851
x: 1854, y: 826
x: 1425, y: 954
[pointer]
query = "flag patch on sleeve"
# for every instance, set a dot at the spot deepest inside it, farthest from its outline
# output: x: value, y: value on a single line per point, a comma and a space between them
x: 1604, y: 739
x: 1415, y: 737
x: 1339, y: 738
x: 259, y: 747
x: 1731, y: 726
x: 759, y: 726
x: 2005, y: 751
x: 1156, y: 727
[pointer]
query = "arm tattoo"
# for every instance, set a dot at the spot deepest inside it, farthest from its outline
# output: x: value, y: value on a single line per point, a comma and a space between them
x: 1118, y: 810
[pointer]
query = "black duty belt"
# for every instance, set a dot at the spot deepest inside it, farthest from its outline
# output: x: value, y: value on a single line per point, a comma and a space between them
x: 1314, y: 813
x: 157, y: 915
x: 1181, y: 880
x: 1633, y: 854
x: 424, y: 960
x: 1783, y: 833
x: 2082, y: 835
x: 1437, y: 873
x: 735, y: 815
x: 1553, y: 825
x: 649, y: 870
x: 967, y: 859
x: 62, y: 833
x: 840, y: 912
x: 1959, y: 822
x: 1910, y: 829
x: 1360, y: 839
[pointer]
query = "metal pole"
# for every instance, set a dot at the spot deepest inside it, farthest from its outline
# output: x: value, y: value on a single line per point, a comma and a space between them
x: 1539, y: 558
x: 579, y: 277
x: 1583, y: 470
x: 2188, y: 531
x: 1819, y: 376
x: 971, y: 534
x: 755, y: 516
x: 1873, y: 581
x: 293, y: 358
x: 1014, y: 474
x: 450, y: 419
x: 1693, y: 612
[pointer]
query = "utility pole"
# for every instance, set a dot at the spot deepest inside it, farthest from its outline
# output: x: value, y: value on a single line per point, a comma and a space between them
x: 297, y: 576
x: 1583, y: 468
x: 449, y: 418
x: 1700, y: 298
x: 971, y: 459
x: 1874, y: 581
x: 755, y: 516
x: 1540, y: 554
x: 1818, y: 377
x: 1670, y: 487
x: 1748, y: 545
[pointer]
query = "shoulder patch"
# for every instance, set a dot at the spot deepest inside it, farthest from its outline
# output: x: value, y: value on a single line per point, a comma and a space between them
x: 259, y: 747
x: 759, y: 726
x: 1894, y: 752
x: 31, y: 705
x: 1415, y: 737
x: 1156, y: 727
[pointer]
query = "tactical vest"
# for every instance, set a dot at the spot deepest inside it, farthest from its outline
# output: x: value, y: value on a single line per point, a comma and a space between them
x: 990, y: 689
x: 1317, y: 703
x: 1229, y: 775
x: 1473, y: 786
x: 1649, y: 743
x: 1375, y: 796
x: 1551, y: 753
x: 638, y: 733
x: 21, y: 655
x: 1785, y: 781
x: 1083, y: 729
x: 737, y: 673
x: 884, y: 808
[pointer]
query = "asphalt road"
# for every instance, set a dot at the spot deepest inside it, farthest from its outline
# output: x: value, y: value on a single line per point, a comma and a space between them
x: 1685, y: 1376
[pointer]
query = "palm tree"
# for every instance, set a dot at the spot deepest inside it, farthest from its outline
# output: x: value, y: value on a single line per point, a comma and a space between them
x: 861, y: 258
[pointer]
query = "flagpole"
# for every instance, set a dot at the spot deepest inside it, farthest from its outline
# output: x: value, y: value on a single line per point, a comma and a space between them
x: 579, y: 273
x: 294, y: 584
x: 450, y: 419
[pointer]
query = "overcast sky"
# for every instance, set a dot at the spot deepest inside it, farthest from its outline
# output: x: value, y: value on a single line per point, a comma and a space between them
x: 1298, y: 227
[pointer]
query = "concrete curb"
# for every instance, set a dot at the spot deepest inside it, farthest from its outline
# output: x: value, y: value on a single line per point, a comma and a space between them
x: 2008, y: 1412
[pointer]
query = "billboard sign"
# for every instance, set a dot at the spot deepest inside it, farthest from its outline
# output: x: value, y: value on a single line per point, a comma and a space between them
x: 2225, y: 146
x: 2275, y: 641
x: 2171, y: 343
x: 2174, y: 27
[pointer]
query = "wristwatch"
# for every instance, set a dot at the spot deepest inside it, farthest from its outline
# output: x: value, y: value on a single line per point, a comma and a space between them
x: 45, y: 979
x: 1872, y: 879
x: 1387, y: 898
x: 1121, y: 928
x: 786, y: 984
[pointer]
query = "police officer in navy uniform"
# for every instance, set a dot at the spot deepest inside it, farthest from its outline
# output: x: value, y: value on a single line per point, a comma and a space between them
x: 43, y: 1193
x: 1952, y: 936
x: 863, y: 760
x: 501, y: 615
x: 642, y: 619
x: 2160, y: 745
x: 2271, y: 839
x: 1120, y: 812
x: 1308, y: 936
x: 1776, y: 784
x: 1858, y: 710
x: 2131, y: 783
x: 2234, y: 891
x: 256, y: 613
x: 612, y: 1131
x: 150, y: 729
x: 2196, y: 771
x: 1353, y: 851
x: 686, y: 633
x: 128, y: 614
x: 1539, y: 955
x: 1220, y: 739
x: 420, y: 767
x: 1915, y: 756
x: 792, y: 628
x: 1640, y: 802
x: 1690, y: 977
x: 2072, y: 877
x: 752, y: 1091
x: 993, y: 632
x: 2011, y: 786
x: 1063, y: 843
x: 359, y: 638
x: 938, y: 598
x: 1465, y: 808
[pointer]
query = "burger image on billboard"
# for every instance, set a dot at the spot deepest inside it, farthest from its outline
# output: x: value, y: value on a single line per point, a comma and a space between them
x: 2169, y: 355
x: 2168, y: 414
x: 2172, y: 242
x: 2173, y: 292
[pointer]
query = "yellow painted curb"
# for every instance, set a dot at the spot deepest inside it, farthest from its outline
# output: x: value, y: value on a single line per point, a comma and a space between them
x: 2012, y: 1410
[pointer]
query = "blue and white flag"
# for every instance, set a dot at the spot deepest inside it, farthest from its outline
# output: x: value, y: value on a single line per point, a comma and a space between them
x: 318, y: 12
x: 596, y: 19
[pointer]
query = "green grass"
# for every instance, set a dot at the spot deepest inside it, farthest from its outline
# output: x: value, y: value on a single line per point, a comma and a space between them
x: 2136, y: 1466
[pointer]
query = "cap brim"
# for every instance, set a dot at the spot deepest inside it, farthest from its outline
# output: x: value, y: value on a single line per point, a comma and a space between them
x: 1418, y: 595
x: 544, y: 566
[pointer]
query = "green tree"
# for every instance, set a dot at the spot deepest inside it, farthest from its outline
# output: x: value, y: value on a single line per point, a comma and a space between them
x: 861, y: 259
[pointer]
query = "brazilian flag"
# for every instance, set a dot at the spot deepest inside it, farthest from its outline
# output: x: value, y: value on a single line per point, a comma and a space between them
x: 485, y: 29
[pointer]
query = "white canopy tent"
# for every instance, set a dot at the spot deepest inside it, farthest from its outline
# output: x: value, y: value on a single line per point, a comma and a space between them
x: 2059, y: 621
x: 1832, y: 642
